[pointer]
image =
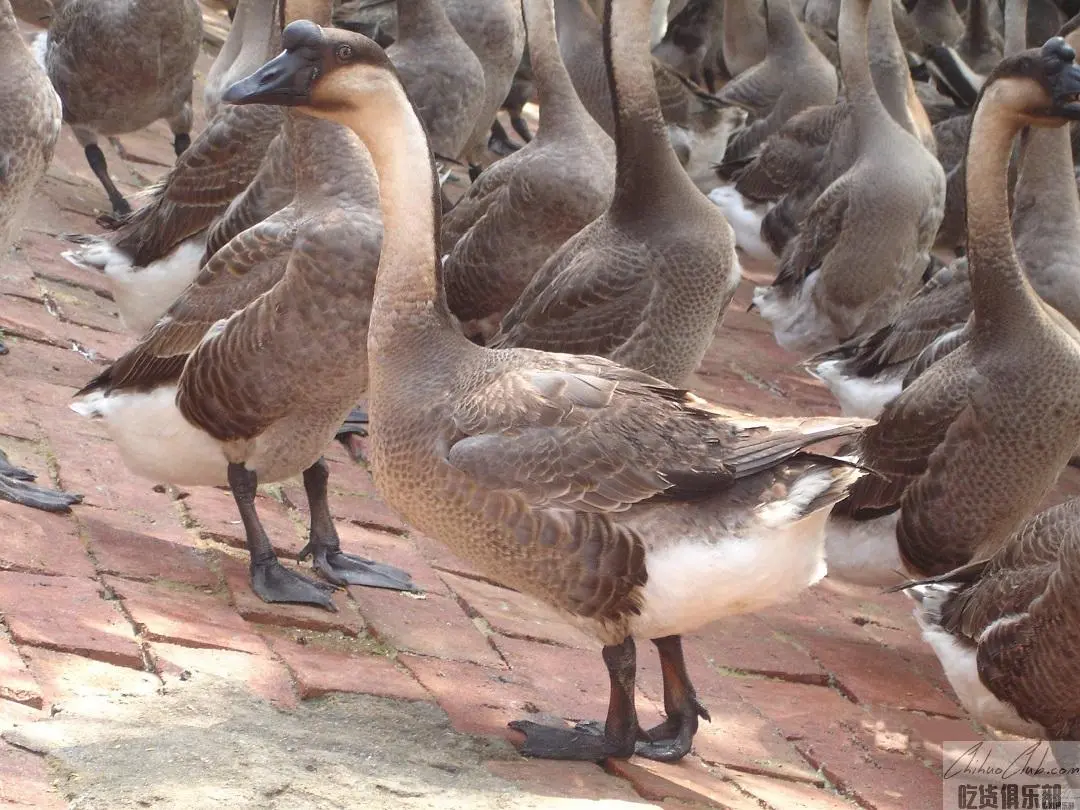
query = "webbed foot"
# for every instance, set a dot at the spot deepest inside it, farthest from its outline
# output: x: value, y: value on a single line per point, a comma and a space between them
x: 584, y: 742
x: 348, y: 569
x: 273, y: 582
x: 20, y: 490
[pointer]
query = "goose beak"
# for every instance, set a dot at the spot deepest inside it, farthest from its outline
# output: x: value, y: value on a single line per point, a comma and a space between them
x: 285, y: 80
x: 1067, y: 92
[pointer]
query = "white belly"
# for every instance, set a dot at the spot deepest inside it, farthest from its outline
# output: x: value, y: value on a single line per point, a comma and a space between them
x: 865, y: 397
x: 863, y: 552
x: 798, y: 324
x: 745, y: 220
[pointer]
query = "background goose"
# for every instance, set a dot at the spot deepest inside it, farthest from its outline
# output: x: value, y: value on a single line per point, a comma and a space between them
x: 691, y: 44
x: 250, y: 372
x: 104, y: 95
x: 444, y: 78
x: 862, y: 250
x: 646, y: 282
x: 523, y: 208
x: 157, y: 251
x: 745, y: 40
x: 1005, y: 628
x: 522, y: 91
x: 29, y: 127
x: 253, y: 27
x: 794, y: 76
x: 865, y: 374
x: 521, y: 461
x: 974, y: 444
x: 495, y: 31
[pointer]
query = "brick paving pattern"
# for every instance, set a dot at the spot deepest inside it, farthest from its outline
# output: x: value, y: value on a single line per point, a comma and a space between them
x: 829, y: 702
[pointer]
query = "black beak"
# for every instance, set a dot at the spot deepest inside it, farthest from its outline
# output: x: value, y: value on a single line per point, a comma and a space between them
x: 1067, y: 92
x: 285, y: 80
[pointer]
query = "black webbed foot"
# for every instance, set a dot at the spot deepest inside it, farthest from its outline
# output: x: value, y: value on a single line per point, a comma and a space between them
x: 348, y: 569
x: 273, y: 582
x: 16, y: 486
x: 672, y: 740
x: 584, y: 742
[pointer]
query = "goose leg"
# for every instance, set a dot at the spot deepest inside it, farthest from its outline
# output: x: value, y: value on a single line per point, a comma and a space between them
x: 16, y: 486
x: 180, y: 124
x: 521, y: 126
x: 324, y: 545
x: 671, y: 740
x: 588, y: 741
x: 272, y: 581
x: 96, y: 158
x: 500, y: 142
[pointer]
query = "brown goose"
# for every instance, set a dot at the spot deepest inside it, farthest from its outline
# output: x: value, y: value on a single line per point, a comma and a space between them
x: 867, y: 373
x: 973, y: 445
x: 745, y: 40
x: 106, y: 95
x: 938, y: 21
x: 1006, y: 629
x: 249, y: 374
x: 802, y: 152
x: 253, y: 26
x: 444, y: 78
x: 793, y: 77
x: 522, y: 461
x: 157, y: 251
x: 692, y: 42
x: 524, y: 207
x: 646, y: 282
x: 495, y: 31
x: 30, y: 118
x: 862, y: 249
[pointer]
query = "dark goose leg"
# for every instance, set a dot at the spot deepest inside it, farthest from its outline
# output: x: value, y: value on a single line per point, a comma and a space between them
x: 671, y: 740
x: 16, y: 486
x: 324, y: 545
x: 499, y: 142
x: 587, y: 741
x: 120, y: 207
x: 272, y: 581
x: 356, y: 422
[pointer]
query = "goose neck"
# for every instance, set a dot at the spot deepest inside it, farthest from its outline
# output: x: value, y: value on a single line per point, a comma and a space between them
x: 9, y: 26
x: 782, y: 28
x: 420, y: 17
x: 1001, y: 295
x: 559, y: 101
x: 854, y: 60
x: 888, y: 65
x: 1015, y: 26
x: 645, y: 163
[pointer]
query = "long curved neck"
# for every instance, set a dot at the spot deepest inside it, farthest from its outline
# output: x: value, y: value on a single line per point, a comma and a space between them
x: 409, y: 294
x: 9, y: 27
x: 1046, y: 186
x: 559, y: 102
x: 645, y: 166
x: 420, y: 18
x: 1001, y: 294
x: 784, y: 34
x: 888, y: 65
x: 854, y: 63
x: 1015, y: 26
x: 977, y: 25
x: 739, y: 17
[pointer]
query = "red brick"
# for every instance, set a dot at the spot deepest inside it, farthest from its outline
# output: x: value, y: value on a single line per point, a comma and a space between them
x: 831, y: 733
x: 14, y: 715
x: 571, y: 683
x: 517, y: 614
x: 25, y: 781
x: 16, y: 418
x: 254, y: 609
x: 566, y: 780
x: 685, y: 781
x: 141, y: 556
x: 153, y: 516
x: 921, y: 735
x: 71, y: 680
x: 63, y: 272
x: 16, y: 682
x: 478, y: 699
x: 41, y: 363
x: 259, y: 672
x: 319, y: 670
x: 92, y: 466
x: 69, y: 615
x: 214, y: 510
x: 40, y: 542
x: 748, y: 644
x: 784, y: 795
x: 31, y: 320
x: 186, y: 617
x: 433, y: 625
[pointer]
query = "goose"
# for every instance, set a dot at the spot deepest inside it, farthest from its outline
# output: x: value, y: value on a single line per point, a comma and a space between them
x: 30, y: 118
x: 598, y: 488
x: 866, y: 373
x: 104, y: 95
x: 1005, y: 629
x: 975, y: 442
x: 692, y: 42
x: 865, y: 242
x: 938, y: 21
x: 495, y: 32
x: 444, y: 78
x: 961, y: 70
x: 525, y: 206
x: 253, y: 26
x: 250, y: 372
x: 156, y: 252
x: 793, y: 77
x: 745, y: 39
x: 647, y: 281
x: 795, y: 156
x: 522, y: 91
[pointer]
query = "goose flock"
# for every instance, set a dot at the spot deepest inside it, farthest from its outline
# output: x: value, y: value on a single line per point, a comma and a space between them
x: 907, y: 172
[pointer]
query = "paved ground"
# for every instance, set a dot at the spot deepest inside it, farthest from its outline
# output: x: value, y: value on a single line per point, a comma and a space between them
x: 137, y: 669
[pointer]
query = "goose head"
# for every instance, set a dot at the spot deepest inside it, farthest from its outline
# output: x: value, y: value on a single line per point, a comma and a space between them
x: 322, y: 70
x: 1041, y: 86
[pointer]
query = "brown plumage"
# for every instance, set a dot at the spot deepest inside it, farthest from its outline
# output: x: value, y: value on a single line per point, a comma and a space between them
x: 647, y: 281
x: 973, y: 445
x: 596, y: 487
x: 524, y: 207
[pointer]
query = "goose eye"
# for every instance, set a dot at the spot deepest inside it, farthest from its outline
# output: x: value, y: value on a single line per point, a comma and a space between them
x: 344, y: 52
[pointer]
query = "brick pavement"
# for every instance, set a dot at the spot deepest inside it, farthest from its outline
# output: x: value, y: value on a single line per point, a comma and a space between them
x: 829, y: 702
